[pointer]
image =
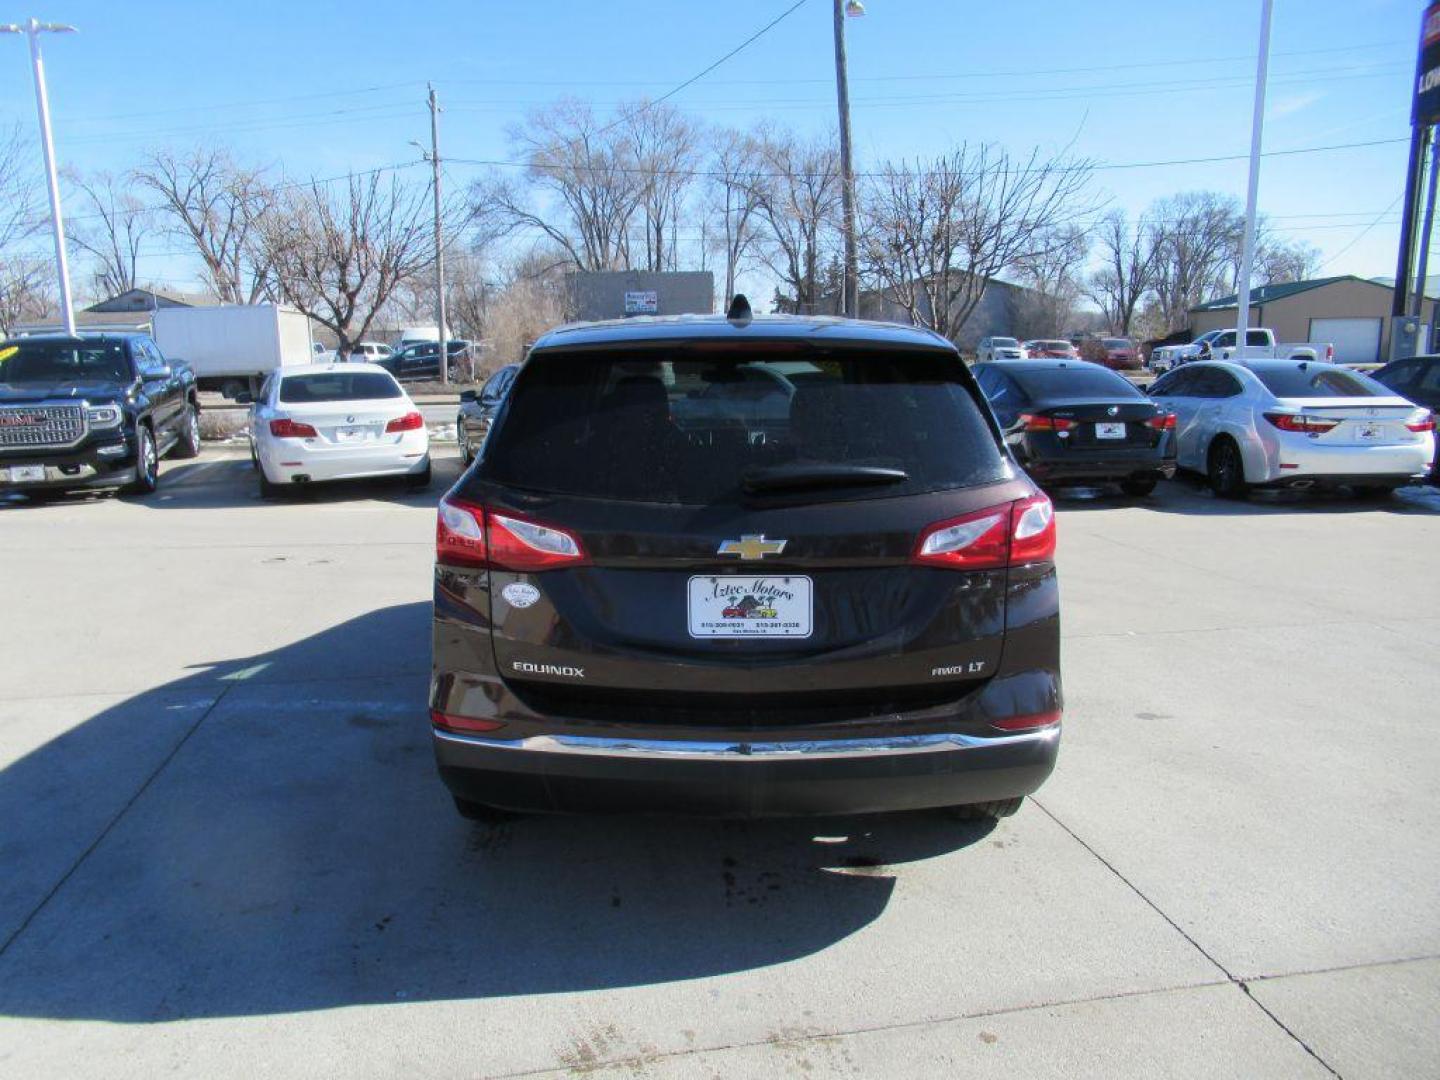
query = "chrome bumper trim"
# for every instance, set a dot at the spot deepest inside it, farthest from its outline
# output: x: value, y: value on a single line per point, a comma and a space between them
x: 673, y: 749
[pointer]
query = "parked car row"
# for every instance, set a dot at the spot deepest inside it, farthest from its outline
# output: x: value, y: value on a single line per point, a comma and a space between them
x: 1260, y: 423
x: 1118, y: 353
x: 1260, y: 344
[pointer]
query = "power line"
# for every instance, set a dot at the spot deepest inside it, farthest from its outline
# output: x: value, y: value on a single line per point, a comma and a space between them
x: 1364, y: 234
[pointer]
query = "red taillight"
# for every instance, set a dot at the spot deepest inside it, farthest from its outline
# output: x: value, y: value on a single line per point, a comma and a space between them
x: 1045, y: 423
x: 1428, y: 424
x: 460, y: 534
x: 470, y: 535
x: 289, y: 429
x: 411, y: 421
x: 1027, y: 723
x: 1163, y: 422
x: 1309, y: 425
x: 1007, y: 535
x: 451, y: 722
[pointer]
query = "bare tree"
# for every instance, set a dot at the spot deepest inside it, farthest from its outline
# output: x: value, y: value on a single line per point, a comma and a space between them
x: 799, y: 207
x: 1196, y: 235
x: 111, y: 229
x: 1278, y: 260
x: 217, y: 205
x: 339, y: 257
x: 738, y: 184
x: 1127, y: 269
x: 937, y: 232
x: 24, y: 278
x: 530, y: 298
x: 587, y: 178
x: 1051, y: 274
x: 662, y: 145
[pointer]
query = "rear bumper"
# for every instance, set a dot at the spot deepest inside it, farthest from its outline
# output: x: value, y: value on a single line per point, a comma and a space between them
x: 1291, y: 458
x: 1099, y: 465
x: 571, y: 774
x: 285, y: 460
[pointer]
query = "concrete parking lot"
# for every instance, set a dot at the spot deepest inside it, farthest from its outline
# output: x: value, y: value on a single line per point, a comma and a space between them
x: 224, y: 850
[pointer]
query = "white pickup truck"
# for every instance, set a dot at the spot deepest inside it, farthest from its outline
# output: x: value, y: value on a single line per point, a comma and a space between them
x: 1260, y: 344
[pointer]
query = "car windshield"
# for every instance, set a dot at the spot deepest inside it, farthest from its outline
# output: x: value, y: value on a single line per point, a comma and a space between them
x: 1004, y: 343
x: 685, y: 429
x: 1055, y: 346
x: 1087, y: 381
x: 1116, y: 343
x: 1308, y: 380
x: 338, y: 386
x: 63, y: 361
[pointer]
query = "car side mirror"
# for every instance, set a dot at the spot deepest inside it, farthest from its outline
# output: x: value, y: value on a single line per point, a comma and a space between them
x: 245, y: 397
x: 163, y: 371
x: 467, y: 395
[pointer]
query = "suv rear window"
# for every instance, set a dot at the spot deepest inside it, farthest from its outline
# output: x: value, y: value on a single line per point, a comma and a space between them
x: 680, y: 428
x: 338, y: 386
x: 1318, y: 381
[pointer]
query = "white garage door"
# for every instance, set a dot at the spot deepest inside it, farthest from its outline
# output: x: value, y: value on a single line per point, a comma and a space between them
x: 1355, y: 340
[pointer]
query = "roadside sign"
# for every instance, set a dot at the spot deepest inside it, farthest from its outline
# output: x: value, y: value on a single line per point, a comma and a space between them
x: 1426, y: 109
x: 647, y: 301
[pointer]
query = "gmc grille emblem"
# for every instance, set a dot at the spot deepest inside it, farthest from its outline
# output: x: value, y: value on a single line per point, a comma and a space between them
x: 21, y: 419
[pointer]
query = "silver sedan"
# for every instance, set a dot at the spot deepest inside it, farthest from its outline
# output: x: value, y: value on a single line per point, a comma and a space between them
x: 1294, y: 424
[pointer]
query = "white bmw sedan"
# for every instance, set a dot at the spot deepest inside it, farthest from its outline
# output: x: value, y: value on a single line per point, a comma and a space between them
x: 1294, y: 424
x: 336, y: 422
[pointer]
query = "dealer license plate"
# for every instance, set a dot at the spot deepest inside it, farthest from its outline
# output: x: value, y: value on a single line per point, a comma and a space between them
x: 26, y: 474
x: 1110, y: 431
x: 351, y: 434
x: 1370, y: 432
x: 766, y: 606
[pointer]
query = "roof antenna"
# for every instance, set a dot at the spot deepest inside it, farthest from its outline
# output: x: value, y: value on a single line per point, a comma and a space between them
x: 739, y: 313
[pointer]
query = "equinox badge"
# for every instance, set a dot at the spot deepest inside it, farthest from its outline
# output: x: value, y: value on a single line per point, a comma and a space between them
x: 751, y: 548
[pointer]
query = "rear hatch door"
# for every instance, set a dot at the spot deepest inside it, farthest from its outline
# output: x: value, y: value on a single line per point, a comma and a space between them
x: 758, y: 551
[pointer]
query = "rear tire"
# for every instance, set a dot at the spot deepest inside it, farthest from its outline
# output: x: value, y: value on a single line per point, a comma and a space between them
x: 465, y: 456
x: 1373, y: 492
x: 1137, y: 487
x: 1226, y: 469
x: 993, y: 810
x: 421, y: 480
x: 267, y: 489
x: 482, y: 812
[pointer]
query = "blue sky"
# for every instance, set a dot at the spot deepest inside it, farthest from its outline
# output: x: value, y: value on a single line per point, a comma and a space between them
x: 319, y: 89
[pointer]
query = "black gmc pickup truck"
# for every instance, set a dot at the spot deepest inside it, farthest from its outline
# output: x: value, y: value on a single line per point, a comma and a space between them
x: 92, y: 411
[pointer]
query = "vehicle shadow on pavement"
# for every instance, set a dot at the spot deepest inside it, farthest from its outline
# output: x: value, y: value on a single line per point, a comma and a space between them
x: 299, y: 852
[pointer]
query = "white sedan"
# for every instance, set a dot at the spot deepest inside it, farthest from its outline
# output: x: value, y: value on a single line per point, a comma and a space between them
x: 1294, y: 424
x: 336, y: 422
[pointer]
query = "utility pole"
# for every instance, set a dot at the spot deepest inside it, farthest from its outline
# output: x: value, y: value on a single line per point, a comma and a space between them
x: 34, y: 28
x: 1417, y: 302
x: 851, y: 295
x: 439, y: 240
x: 1257, y: 126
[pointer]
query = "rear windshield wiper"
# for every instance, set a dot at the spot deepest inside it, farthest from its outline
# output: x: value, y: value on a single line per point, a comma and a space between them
x: 799, y: 477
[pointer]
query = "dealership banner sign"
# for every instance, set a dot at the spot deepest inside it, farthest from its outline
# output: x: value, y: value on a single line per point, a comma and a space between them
x: 1427, y: 77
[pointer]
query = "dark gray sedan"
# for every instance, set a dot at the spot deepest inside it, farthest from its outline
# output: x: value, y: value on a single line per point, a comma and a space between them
x: 478, y: 410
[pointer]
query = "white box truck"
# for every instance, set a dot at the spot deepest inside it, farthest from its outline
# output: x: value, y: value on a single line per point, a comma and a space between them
x: 233, y: 347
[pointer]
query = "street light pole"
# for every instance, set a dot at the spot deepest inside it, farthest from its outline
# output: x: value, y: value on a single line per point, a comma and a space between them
x: 851, y: 298
x: 439, y: 240
x: 34, y: 28
x: 1257, y: 125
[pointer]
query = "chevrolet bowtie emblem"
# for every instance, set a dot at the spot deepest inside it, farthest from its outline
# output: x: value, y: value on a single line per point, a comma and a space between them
x: 751, y: 548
